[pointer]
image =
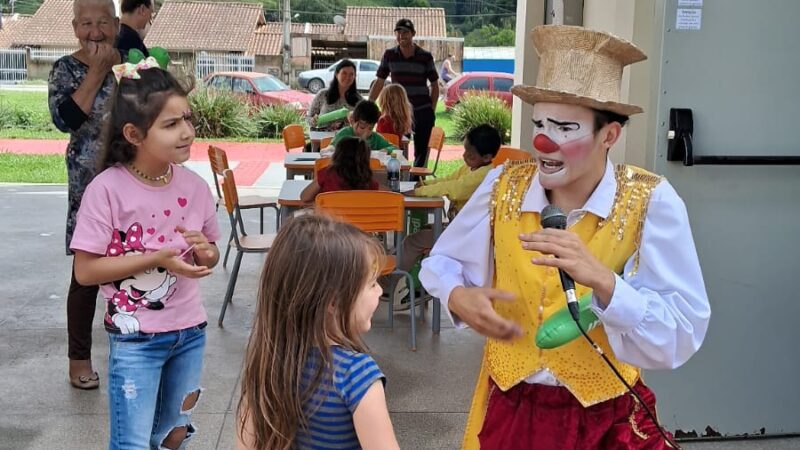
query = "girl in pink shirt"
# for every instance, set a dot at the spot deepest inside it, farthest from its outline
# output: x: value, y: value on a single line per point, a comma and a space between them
x: 145, y: 233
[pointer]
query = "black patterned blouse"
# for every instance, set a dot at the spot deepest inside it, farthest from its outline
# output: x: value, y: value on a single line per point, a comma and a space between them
x: 84, y: 131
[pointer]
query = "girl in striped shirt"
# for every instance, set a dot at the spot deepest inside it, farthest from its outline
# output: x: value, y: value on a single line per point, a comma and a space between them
x: 308, y: 382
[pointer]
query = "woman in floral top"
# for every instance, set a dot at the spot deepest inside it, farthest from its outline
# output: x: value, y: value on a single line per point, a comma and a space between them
x: 342, y: 93
x: 78, y: 89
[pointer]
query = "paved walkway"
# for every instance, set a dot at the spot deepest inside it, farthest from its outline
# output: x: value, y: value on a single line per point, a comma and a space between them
x: 257, y: 164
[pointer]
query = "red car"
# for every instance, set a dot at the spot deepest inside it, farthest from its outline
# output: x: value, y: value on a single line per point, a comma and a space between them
x: 497, y: 84
x: 259, y: 88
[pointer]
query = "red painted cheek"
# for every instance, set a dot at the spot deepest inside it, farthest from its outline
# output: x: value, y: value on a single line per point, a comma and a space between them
x: 577, y: 150
x: 544, y: 144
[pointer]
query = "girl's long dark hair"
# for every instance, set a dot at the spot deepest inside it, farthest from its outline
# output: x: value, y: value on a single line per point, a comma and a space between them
x: 351, y: 96
x: 316, y: 269
x: 138, y: 102
x: 351, y: 162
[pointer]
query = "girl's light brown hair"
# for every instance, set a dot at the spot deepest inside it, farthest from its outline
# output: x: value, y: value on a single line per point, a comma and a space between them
x: 394, y: 103
x: 312, y: 277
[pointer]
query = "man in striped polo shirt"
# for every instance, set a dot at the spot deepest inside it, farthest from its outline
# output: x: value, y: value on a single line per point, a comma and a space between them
x: 412, y: 68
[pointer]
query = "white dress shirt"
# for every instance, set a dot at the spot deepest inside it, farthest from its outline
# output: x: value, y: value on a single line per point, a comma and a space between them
x: 656, y: 318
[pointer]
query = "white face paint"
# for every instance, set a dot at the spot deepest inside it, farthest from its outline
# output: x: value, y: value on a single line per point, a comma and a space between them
x: 564, y: 143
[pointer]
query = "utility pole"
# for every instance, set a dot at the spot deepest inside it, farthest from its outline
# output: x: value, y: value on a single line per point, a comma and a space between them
x: 287, y: 42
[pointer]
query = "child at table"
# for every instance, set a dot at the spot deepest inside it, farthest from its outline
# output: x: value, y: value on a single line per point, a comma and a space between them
x: 349, y: 170
x: 397, y: 116
x: 308, y: 381
x: 480, y: 147
x: 362, y: 123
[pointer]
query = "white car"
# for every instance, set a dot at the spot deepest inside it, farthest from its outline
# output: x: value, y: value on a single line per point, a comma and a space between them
x: 316, y: 80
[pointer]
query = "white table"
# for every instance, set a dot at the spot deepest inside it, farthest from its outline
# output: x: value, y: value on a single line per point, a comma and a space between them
x: 303, y: 163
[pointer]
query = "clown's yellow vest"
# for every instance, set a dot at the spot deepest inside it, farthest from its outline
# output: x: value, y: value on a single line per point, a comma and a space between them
x: 539, y: 293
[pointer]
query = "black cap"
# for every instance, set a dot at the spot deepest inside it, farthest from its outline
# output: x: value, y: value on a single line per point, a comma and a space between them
x: 405, y: 24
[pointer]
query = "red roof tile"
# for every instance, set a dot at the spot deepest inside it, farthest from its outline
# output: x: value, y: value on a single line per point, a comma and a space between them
x: 371, y: 21
x: 51, y: 26
x: 212, y: 26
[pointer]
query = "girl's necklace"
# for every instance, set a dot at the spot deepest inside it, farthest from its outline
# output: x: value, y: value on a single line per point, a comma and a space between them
x: 159, y: 179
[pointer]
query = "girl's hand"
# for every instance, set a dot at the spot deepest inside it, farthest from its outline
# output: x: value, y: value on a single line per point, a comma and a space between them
x: 169, y: 259
x: 205, y: 252
x: 202, y: 247
x: 571, y: 256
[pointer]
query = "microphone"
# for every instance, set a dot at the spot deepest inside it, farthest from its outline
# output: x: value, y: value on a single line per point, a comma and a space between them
x: 553, y: 217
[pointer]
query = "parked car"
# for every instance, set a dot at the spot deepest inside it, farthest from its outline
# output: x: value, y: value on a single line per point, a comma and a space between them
x: 259, y: 88
x: 497, y: 84
x: 316, y: 80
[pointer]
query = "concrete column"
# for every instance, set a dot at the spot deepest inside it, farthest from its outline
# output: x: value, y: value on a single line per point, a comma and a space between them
x: 529, y: 14
x: 633, y: 20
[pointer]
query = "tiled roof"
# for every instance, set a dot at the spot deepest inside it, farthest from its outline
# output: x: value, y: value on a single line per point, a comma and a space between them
x: 370, y: 21
x: 11, y: 26
x: 300, y: 28
x: 51, y: 26
x: 264, y: 43
x: 185, y: 25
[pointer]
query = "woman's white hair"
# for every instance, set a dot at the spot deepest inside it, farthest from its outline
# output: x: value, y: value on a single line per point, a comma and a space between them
x: 78, y: 4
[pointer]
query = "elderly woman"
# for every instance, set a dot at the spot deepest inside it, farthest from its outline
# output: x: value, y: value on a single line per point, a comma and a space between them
x: 78, y: 89
x: 342, y: 93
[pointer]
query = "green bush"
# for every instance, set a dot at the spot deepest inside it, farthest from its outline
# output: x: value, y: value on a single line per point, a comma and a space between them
x: 6, y: 118
x: 271, y: 119
x: 220, y: 114
x: 479, y: 109
x: 28, y: 117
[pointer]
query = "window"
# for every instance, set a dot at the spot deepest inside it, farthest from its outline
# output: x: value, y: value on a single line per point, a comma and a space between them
x: 475, y: 84
x: 242, y: 86
x: 369, y: 67
x: 220, y: 82
x: 270, y: 84
x: 503, y: 84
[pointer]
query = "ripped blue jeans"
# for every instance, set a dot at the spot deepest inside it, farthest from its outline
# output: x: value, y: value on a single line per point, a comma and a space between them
x: 154, y: 383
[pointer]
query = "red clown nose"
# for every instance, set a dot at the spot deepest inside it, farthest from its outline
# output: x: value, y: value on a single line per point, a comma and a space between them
x: 544, y: 144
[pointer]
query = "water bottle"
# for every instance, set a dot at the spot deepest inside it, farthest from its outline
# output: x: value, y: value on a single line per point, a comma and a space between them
x: 393, y: 173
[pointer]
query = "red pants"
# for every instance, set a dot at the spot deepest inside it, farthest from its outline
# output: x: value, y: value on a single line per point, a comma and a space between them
x: 534, y: 416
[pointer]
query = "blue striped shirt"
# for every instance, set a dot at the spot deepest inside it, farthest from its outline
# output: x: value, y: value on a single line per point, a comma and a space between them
x: 330, y: 410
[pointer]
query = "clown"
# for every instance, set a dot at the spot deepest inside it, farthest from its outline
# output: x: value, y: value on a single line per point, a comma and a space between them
x: 628, y: 246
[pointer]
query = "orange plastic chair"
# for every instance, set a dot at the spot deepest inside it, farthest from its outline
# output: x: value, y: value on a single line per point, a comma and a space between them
x: 321, y: 164
x: 392, y: 138
x: 509, y: 154
x: 375, y: 212
x: 294, y: 137
x: 218, y: 159
x: 325, y: 142
x: 436, y: 142
x: 244, y: 243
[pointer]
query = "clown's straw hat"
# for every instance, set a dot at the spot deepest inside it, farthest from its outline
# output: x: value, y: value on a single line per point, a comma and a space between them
x: 580, y: 67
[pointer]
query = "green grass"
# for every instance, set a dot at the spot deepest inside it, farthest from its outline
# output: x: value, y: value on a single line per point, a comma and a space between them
x: 443, y: 120
x: 24, y: 133
x: 32, y: 168
x: 446, y: 167
x: 35, y: 99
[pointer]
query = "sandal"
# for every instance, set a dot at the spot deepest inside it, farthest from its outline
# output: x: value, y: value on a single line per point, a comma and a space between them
x: 85, y: 383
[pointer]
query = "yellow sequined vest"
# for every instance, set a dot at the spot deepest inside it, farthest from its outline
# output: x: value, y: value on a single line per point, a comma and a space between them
x: 538, y: 289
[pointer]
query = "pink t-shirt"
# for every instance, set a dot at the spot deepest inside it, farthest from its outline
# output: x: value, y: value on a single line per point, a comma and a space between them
x: 120, y: 215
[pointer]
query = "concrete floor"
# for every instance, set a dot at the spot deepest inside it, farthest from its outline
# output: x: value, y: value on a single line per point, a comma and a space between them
x: 428, y: 391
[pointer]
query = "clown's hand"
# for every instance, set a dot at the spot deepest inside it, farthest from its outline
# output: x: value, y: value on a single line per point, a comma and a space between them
x: 126, y: 324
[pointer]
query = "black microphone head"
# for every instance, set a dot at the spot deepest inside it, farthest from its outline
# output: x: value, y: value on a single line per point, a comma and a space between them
x: 553, y: 217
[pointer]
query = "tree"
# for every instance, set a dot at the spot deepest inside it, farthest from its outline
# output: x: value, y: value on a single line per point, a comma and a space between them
x: 490, y: 36
x: 412, y: 3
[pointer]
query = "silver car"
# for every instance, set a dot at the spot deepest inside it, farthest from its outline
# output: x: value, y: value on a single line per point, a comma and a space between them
x: 316, y: 80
